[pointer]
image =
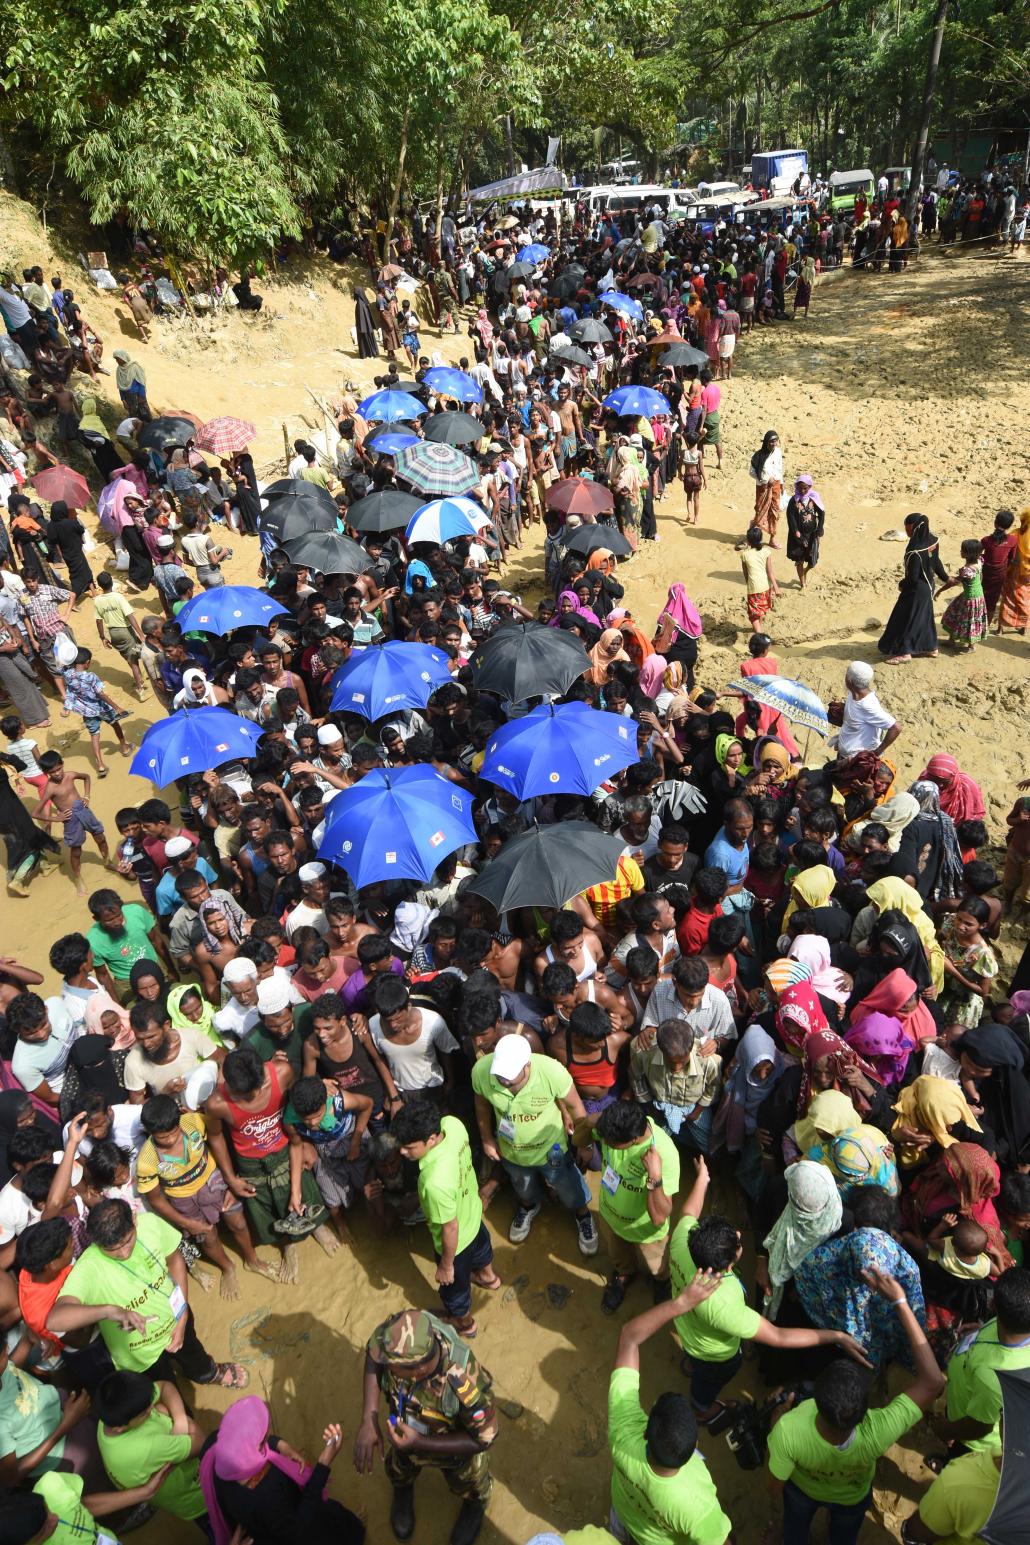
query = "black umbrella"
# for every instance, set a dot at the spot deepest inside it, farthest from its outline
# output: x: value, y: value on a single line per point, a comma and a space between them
x: 572, y: 357
x: 682, y: 356
x: 589, y: 330
x: 518, y: 271
x: 385, y: 511
x: 527, y: 659
x: 165, y: 431
x: 548, y: 865
x: 298, y: 488
x: 328, y: 551
x: 291, y: 517
x: 566, y: 285
x: 453, y: 428
x: 1007, y: 1523
x: 587, y: 539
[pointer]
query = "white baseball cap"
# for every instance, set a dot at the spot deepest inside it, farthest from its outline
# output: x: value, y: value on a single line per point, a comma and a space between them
x: 511, y: 1055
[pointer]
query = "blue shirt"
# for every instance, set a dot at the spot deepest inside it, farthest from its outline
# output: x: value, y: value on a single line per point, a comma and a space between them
x: 723, y: 855
x: 168, y: 898
x: 82, y: 691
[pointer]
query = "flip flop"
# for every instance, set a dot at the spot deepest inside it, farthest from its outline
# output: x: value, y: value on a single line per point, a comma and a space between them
x: 491, y: 1286
x: 230, y: 1376
x: 102, y: 772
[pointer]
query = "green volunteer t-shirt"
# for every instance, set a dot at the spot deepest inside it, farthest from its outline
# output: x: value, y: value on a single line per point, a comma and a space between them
x: 962, y: 1498
x: 713, y: 1330
x: 973, y: 1388
x: 141, y: 1282
x: 798, y: 1453
x: 29, y: 1412
x: 623, y: 1193
x: 447, y: 1186
x: 62, y: 1493
x: 657, y: 1509
x: 131, y: 1457
x: 529, y: 1123
x: 121, y: 952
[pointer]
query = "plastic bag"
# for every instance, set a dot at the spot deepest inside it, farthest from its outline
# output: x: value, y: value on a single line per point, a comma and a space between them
x: 103, y: 278
x: 65, y: 649
x: 12, y: 353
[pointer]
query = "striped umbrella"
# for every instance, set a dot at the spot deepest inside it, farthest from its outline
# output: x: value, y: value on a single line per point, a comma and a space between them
x: 437, y: 469
x: 792, y: 699
x: 224, y: 436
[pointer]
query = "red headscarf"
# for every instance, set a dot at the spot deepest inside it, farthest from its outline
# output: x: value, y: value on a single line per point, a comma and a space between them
x: 960, y: 794
x: 887, y: 997
x: 964, y: 1179
x: 826, y: 1043
x: 798, y: 1015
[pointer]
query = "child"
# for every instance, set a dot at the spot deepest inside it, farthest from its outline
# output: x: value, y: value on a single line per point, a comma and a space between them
x: 133, y: 860
x: 971, y: 835
x: 707, y: 892
x: 143, y: 1425
x: 970, y: 965
x: 759, y: 578
x: 62, y: 798
x: 334, y: 1122
x: 724, y: 937
x: 760, y: 662
x: 938, y: 1060
x: 85, y: 695
x: 693, y: 470
x: 1015, y: 881
x: 995, y: 551
x: 23, y: 747
x: 965, y: 619
x: 114, y: 613
x: 409, y: 325
x: 955, y: 1268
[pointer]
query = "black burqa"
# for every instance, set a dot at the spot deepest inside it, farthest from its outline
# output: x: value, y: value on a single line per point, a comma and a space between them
x: 67, y: 533
x: 1005, y: 1094
x: 911, y: 628
x: 364, y: 326
x: 246, y: 499
x: 24, y: 839
x: 141, y: 565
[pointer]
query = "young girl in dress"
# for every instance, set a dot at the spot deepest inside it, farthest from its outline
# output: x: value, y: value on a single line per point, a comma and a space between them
x: 759, y: 578
x: 965, y: 618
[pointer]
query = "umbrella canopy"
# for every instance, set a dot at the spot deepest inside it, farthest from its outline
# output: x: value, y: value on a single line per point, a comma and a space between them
x: 449, y: 382
x: 225, y: 436
x: 1007, y: 1523
x: 437, y: 469
x: 792, y: 699
x: 291, y: 517
x: 573, y: 356
x: 624, y: 303
x: 330, y: 552
x: 389, y: 442
x: 227, y: 607
x: 387, y: 510
x: 298, y: 486
x: 587, y: 539
x: 518, y: 271
x: 681, y: 356
x: 565, y: 750
x: 390, y: 271
x: 527, y: 659
x: 589, y: 330
x: 167, y: 430
x: 548, y: 865
x: 566, y: 285
x: 191, y: 741
x: 636, y: 402
x: 62, y: 482
x: 388, y: 407
x: 643, y: 281
x: 397, y: 824
x: 580, y: 496
x: 453, y: 429
x: 536, y: 252
x: 441, y: 520
x: 388, y: 677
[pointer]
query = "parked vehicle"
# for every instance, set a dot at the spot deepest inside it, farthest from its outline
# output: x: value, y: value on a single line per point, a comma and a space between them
x: 780, y: 212
x: 778, y: 170
x: 899, y: 177
x: 846, y: 186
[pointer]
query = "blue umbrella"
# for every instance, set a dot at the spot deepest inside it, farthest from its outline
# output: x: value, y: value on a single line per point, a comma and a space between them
x: 228, y: 607
x: 638, y: 400
x: 397, y: 824
x: 624, y: 303
x: 534, y: 253
x: 453, y: 383
x: 388, y: 443
x: 191, y: 741
x: 389, y: 677
x: 792, y: 699
x: 565, y: 750
x: 441, y: 520
x: 387, y: 407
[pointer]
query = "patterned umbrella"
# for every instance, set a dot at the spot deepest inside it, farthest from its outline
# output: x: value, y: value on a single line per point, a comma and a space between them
x: 62, y: 482
x: 792, y: 699
x: 225, y: 436
x: 437, y: 469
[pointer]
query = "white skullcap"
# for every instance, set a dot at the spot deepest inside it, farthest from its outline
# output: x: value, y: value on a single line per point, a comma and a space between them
x: 273, y: 995
x: 329, y: 734
x: 175, y: 847
x: 239, y: 969
x: 859, y: 674
x: 310, y: 872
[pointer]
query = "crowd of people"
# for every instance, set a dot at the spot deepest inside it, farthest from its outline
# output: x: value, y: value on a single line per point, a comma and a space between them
x: 783, y: 975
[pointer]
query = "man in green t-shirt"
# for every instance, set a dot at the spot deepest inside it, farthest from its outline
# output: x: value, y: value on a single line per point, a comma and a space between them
x: 640, y: 1175
x: 974, y: 1394
x: 449, y: 1196
x: 142, y: 1428
x: 123, y: 933
x: 824, y: 1452
x: 56, y: 1512
x: 711, y: 1336
x: 131, y: 1281
x: 662, y: 1493
x: 536, y: 1106
x: 959, y: 1502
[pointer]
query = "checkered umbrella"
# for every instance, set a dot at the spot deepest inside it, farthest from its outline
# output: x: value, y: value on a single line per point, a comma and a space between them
x: 436, y: 469
x: 224, y: 436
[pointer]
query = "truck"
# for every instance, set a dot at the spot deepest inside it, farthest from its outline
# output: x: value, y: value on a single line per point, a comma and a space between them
x: 846, y: 186
x: 777, y: 170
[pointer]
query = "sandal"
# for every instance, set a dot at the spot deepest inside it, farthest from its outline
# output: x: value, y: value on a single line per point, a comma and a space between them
x: 102, y: 772
x: 491, y: 1284
x: 295, y: 1224
x: 230, y: 1376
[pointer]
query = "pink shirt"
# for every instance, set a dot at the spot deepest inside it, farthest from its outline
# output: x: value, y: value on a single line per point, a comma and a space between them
x: 711, y: 398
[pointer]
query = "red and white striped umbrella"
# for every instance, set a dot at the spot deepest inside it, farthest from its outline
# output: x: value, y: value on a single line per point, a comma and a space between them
x: 223, y: 436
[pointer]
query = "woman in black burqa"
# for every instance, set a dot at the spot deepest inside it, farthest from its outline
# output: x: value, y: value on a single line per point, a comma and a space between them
x: 911, y: 629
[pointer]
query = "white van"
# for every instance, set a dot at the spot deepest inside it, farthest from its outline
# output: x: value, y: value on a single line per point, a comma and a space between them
x: 635, y: 199
x: 710, y: 190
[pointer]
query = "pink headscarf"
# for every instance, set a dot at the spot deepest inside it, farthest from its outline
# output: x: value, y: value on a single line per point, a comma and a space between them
x: 683, y: 612
x: 238, y: 1452
x: 803, y: 490
x: 960, y: 796
x: 813, y: 950
x: 578, y: 608
x: 881, y: 1038
x: 97, y: 1005
x: 651, y: 673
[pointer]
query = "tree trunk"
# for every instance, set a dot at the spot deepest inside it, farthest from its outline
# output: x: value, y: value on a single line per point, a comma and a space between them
x: 509, y: 144
x: 438, y: 228
x: 395, y: 198
x: 929, y: 91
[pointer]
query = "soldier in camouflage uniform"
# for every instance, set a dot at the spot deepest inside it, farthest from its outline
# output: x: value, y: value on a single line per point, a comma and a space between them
x: 441, y: 1413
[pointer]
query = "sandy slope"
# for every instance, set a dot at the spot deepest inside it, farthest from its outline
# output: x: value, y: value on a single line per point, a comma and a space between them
x: 899, y: 393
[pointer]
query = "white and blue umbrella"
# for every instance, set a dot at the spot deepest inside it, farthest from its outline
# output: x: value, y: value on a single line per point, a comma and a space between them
x: 638, y: 401
x: 453, y: 383
x: 387, y: 678
x: 227, y: 607
x: 441, y: 520
x: 565, y: 750
x: 191, y: 741
x: 387, y: 407
x: 624, y: 303
x: 792, y: 699
x: 397, y: 824
x: 536, y: 252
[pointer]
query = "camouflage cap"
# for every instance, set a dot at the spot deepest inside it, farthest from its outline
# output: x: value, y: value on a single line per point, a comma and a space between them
x: 406, y: 1338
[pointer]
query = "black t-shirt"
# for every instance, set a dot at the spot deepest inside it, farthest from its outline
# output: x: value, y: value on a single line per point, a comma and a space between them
x: 657, y: 879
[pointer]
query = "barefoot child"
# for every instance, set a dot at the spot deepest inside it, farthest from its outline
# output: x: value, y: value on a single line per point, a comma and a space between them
x: 334, y: 1122
x: 114, y: 613
x: 965, y: 618
x: 84, y: 694
x: 61, y: 801
x: 759, y: 578
x: 693, y: 470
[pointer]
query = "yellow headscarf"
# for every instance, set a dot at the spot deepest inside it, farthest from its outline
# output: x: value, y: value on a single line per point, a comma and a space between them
x: 896, y: 895
x: 815, y: 887
x: 90, y: 418
x: 830, y: 1114
x: 931, y: 1105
